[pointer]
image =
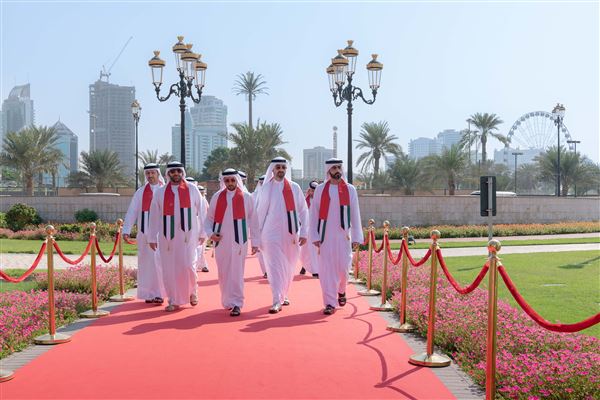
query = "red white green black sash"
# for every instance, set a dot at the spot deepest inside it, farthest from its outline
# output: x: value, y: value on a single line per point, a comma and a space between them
x: 290, y: 207
x: 239, y: 215
x: 308, y: 200
x: 185, y: 210
x: 344, y: 197
x: 146, y: 202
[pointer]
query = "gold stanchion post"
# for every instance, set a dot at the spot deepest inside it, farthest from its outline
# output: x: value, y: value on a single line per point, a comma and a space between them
x: 384, y: 306
x: 121, y: 296
x: 94, y: 312
x: 355, y: 278
x: 51, y: 337
x: 403, y: 326
x: 429, y: 358
x: 494, y: 247
x: 369, y: 291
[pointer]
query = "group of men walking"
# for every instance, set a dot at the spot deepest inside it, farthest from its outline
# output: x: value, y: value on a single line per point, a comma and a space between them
x: 277, y: 222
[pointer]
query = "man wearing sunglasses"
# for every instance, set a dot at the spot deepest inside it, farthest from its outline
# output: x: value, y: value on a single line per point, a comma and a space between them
x: 283, y: 223
x: 176, y: 217
x: 230, y: 223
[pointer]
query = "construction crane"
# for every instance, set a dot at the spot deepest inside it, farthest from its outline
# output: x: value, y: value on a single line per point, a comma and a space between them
x: 106, y: 73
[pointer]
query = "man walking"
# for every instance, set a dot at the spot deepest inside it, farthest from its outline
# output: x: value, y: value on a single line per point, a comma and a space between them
x: 230, y: 214
x: 308, y: 253
x: 259, y: 255
x: 283, y: 222
x: 335, y: 228
x: 149, y: 277
x: 176, y: 216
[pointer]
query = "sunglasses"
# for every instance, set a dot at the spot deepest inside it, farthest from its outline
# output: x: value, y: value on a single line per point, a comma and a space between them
x: 175, y: 171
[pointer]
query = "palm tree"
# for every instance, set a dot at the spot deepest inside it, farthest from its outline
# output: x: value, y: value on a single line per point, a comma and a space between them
x: 375, y: 136
x: 151, y: 156
x: 101, y: 168
x: 447, y: 166
x: 528, y: 178
x: 573, y: 167
x: 216, y: 162
x: 31, y: 152
x: 407, y: 174
x: 487, y: 125
x: 250, y: 85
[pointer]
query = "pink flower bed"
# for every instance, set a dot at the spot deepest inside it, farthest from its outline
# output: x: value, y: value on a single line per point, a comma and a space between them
x: 24, y: 315
x: 532, y: 363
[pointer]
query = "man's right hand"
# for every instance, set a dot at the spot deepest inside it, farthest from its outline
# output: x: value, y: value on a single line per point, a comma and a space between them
x: 215, y: 237
x: 317, y: 243
x: 153, y: 246
x: 126, y: 237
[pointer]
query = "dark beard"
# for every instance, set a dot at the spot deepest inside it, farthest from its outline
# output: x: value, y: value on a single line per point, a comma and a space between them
x: 337, y: 175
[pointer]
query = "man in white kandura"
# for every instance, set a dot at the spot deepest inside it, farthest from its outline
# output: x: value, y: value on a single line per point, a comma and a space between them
x: 176, y: 216
x: 230, y: 223
x: 201, y: 264
x: 283, y: 223
x: 308, y: 253
x: 259, y: 255
x: 244, y: 177
x: 149, y: 277
x: 335, y: 228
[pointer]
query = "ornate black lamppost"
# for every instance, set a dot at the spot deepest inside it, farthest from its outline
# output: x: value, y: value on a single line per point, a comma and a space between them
x: 191, y: 71
x: 340, y: 72
x: 136, y: 111
x: 559, y: 115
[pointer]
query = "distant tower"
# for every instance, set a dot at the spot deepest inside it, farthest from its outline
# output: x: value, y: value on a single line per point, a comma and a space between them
x: 335, y: 142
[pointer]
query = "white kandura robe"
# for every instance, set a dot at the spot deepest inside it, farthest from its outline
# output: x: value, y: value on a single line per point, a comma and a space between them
x: 335, y: 254
x: 259, y: 255
x: 178, y: 255
x: 308, y: 253
x: 281, y: 249
x: 149, y: 274
x: 229, y: 255
x: 201, y: 260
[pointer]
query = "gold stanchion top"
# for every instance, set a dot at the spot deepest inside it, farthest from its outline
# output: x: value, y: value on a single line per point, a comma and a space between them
x: 404, y: 231
x: 386, y: 225
x: 494, y: 246
x: 435, y: 235
x: 50, y: 230
x: 93, y: 228
x: 120, y: 222
x: 371, y: 223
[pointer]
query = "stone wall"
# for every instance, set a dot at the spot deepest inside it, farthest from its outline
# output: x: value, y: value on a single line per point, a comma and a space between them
x: 399, y: 210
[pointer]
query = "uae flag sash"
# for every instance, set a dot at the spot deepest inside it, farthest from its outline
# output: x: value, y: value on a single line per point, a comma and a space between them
x: 185, y: 210
x: 239, y: 215
x: 146, y: 202
x: 344, y: 197
x: 290, y: 207
x: 308, y: 200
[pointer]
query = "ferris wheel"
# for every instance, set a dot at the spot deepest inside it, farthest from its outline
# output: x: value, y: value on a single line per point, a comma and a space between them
x: 535, y: 130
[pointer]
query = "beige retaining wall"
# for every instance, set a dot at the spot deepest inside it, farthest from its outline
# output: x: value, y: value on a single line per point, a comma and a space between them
x: 399, y: 210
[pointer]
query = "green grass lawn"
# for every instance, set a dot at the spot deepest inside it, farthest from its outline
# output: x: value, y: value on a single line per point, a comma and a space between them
x: 424, y: 243
x: 578, y: 271
x: 67, y: 247
x: 26, y: 285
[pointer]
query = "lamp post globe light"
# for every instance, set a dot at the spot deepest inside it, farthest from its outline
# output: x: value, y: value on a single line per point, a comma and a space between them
x: 136, y: 111
x: 340, y: 73
x: 559, y: 114
x: 192, y: 73
x: 516, y: 154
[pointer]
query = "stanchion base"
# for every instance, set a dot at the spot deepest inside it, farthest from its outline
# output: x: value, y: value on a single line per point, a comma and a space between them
x: 6, y: 375
x: 355, y: 280
x: 121, y: 298
x: 371, y: 292
x: 401, y: 328
x: 57, y: 338
x: 382, y: 307
x: 429, y: 360
x: 94, y: 314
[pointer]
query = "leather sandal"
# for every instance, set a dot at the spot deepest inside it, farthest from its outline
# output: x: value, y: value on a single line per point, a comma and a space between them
x: 342, y: 299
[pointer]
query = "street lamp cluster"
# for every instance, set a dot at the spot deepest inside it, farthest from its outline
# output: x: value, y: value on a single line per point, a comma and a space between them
x: 340, y: 73
x: 192, y: 73
x: 559, y: 114
x: 136, y: 111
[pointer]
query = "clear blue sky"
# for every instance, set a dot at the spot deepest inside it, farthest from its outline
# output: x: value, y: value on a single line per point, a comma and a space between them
x: 442, y: 62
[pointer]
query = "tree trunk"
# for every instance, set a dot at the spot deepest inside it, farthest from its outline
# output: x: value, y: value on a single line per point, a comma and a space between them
x: 100, y: 186
x: 483, y: 149
x: 28, y: 184
x: 451, y: 186
x: 250, y: 111
x: 376, y: 167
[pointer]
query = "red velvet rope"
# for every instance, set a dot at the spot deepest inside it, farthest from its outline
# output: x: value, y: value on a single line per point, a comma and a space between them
x: 373, y: 240
x: 579, y: 326
x: 391, y: 256
x: 412, y: 260
x: 130, y: 241
x: 73, y: 262
x: 29, y: 271
x: 454, y: 283
x: 112, y: 253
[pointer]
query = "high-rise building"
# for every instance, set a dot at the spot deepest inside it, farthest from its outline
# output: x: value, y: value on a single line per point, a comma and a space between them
x: 448, y: 138
x: 111, y: 123
x: 67, y: 143
x: 17, y: 110
x: 206, y: 127
x: 422, y: 147
x: 314, y: 162
x: 506, y: 157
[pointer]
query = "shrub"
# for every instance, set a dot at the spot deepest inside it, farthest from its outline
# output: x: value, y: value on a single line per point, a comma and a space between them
x: 20, y: 215
x: 86, y: 215
x: 2, y: 220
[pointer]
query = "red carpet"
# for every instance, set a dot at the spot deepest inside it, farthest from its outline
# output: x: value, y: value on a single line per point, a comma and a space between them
x: 142, y: 352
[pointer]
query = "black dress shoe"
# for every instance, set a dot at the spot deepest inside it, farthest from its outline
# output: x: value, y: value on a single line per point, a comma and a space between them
x: 265, y: 275
x: 342, y: 299
x: 316, y: 276
x: 204, y: 269
x: 302, y: 271
x: 275, y: 309
x: 235, y: 312
x: 329, y: 310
